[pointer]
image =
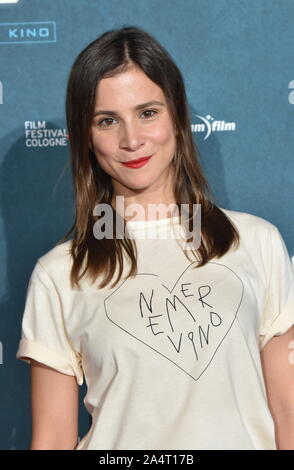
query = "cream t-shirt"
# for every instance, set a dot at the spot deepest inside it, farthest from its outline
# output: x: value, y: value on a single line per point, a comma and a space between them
x: 171, y: 357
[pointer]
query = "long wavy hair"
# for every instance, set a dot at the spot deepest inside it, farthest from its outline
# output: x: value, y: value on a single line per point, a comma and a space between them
x: 106, y: 56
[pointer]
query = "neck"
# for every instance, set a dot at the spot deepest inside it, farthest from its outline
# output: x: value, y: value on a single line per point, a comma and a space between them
x: 154, y: 203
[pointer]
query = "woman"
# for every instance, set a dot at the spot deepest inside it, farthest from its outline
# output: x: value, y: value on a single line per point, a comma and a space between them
x: 182, y: 345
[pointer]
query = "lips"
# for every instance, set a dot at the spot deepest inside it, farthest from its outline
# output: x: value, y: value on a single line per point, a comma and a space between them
x: 137, y: 163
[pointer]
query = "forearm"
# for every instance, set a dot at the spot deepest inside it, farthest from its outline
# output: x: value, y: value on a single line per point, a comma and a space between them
x: 284, y: 430
x: 52, y: 445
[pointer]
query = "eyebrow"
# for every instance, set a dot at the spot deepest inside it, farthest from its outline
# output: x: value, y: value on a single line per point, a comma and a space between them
x: 138, y: 107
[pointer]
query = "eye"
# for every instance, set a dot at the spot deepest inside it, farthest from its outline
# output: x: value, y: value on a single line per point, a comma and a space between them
x: 148, y: 113
x: 107, y: 122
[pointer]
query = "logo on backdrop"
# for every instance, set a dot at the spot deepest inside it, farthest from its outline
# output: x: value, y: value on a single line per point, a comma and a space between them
x: 208, y: 124
x: 1, y: 93
x: 23, y: 33
x: 291, y: 94
x: 37, y: 134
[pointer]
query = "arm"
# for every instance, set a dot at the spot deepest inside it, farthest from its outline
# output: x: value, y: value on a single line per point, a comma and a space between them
x: 278, y: 370
x: 54, y: 400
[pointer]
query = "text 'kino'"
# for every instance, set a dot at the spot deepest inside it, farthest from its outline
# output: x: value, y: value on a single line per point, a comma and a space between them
x: 17, y: 33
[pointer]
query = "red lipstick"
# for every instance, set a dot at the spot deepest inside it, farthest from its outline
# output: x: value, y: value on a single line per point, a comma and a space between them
x: 137, y: 163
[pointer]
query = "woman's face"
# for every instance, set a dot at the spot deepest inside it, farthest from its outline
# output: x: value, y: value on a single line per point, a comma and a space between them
x: 131, y: 121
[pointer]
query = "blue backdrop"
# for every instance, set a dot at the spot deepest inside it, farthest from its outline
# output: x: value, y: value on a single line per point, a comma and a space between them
x: 237, y: 61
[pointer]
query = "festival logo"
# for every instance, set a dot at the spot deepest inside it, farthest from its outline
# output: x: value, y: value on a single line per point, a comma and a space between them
x: 38, y: 134
x: 26, y: 33
x: 291, y: 94
x: 208, y: 124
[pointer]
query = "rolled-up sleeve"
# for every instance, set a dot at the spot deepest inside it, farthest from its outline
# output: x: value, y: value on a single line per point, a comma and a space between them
x: 43, y: 331
x: 278, y: 313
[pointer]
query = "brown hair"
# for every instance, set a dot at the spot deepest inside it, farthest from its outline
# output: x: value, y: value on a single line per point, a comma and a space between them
x: 108, y: 55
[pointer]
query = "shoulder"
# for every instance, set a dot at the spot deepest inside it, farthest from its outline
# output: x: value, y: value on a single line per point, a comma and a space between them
x: 250, y: 225
x: 55, y: 263
x: 59, y: 254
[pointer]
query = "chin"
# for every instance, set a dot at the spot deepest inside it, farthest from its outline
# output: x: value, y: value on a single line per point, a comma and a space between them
x: 138, y: 187
x: 137, y: 183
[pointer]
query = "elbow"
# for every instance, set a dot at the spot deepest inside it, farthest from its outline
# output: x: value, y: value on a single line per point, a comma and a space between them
x: 284, y: 428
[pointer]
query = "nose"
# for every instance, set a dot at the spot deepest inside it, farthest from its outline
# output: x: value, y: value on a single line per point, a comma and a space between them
x: 131, y: 136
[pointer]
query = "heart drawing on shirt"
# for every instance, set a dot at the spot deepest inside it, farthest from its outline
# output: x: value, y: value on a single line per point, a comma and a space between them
x: 187, y: 322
